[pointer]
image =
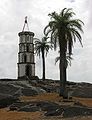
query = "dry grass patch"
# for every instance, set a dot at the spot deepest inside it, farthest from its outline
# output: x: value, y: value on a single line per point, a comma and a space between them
x: 52, y: 97
x: 85, y: 101
x: 14, y: 115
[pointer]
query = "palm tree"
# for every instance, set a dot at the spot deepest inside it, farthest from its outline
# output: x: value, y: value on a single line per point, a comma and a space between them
x: 42, y: 47
x: 64, y: 31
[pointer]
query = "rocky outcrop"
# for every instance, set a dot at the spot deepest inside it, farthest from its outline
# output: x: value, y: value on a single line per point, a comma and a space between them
x: 6, y: 100
x: 52, y: 109
x: 19, y: 88
x: 35, y: 87
x: 11, y: 90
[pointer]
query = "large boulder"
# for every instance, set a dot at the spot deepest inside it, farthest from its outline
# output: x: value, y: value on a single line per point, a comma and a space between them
x: 46, y: 105
x: 29, y: 108
x: 6, y: 100
x: 51, y: 108
x: 81, y: 91
x: 6, y: 88
x: 36, y: 106
x: 11, y: 90
x: 55, y: 112
x: 29, y: 92
x: 76, y: 111
x: 19, y: 88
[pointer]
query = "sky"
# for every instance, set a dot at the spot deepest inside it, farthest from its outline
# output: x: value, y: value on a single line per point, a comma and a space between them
x: 12, y: 14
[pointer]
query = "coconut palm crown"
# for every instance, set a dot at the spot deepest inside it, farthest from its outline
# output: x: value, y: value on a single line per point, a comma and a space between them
x: 64, y: 30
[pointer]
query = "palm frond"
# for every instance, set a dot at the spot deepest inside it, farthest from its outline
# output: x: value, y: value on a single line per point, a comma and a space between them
x: 57, y: 59
x: 67, y: 60
x: 42, y: 46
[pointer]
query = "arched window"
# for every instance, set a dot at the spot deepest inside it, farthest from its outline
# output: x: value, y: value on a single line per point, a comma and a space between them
x: 26, y: 38
x: 31, y: 47
x: 31, y: 58
x: 24, y: 58
x: 27, y: 48
x: 22, y: 47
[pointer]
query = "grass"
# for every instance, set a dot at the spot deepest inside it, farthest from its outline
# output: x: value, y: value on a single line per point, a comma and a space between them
x: 85, y: 101
x: 13, y: 115
x: 52, y: 97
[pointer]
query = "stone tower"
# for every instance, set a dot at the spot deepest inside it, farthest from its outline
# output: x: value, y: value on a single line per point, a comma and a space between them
x: 26, y: 64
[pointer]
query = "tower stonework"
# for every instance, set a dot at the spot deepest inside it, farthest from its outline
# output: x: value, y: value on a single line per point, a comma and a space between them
x: 26, y: 64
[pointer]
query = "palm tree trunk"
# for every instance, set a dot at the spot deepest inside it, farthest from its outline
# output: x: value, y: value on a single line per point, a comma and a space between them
x: 61, y: 73
x: 62, y: 68
x: 43, y: 59
x: 65, y: 94
x: 65, y: 75
x: 63, y: 78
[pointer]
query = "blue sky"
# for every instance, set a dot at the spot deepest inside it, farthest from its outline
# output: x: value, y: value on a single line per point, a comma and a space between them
x: 12, y: 14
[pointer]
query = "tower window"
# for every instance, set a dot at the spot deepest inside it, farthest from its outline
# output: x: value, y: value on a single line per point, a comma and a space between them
x: 22, y: 48
x: 31, y: 58
x: 27, y: 38
x: 24, y: 58
x: 27, y: 48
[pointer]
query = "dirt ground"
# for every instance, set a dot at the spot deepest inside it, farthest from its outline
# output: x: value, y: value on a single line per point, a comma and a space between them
x: 54, y: 97
x: 5, y: 114
x: 12, y: 115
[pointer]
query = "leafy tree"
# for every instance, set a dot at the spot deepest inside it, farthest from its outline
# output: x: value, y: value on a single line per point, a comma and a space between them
x: 42, y: 47
x: 64, y: 30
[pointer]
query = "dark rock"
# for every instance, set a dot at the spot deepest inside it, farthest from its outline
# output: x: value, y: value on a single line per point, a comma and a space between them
x: 52, y: 109
x: 85, y: 92
x: 76, y: 111
x: 7, y: 89
x: 12, y: 108
x: 49, y: 88
x: 6, y: 100
x: 55, y: 112
x: 19, y: 88
x: 36, y: 106
x: 29, y: 92
x: 29, y: 108
x: 46, y: 106
x: 17, y: 105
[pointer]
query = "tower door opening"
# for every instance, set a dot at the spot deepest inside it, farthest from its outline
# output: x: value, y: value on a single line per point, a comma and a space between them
x: 28, y: 70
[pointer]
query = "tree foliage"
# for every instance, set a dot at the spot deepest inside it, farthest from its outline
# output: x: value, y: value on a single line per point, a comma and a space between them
x: 64, y: 30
